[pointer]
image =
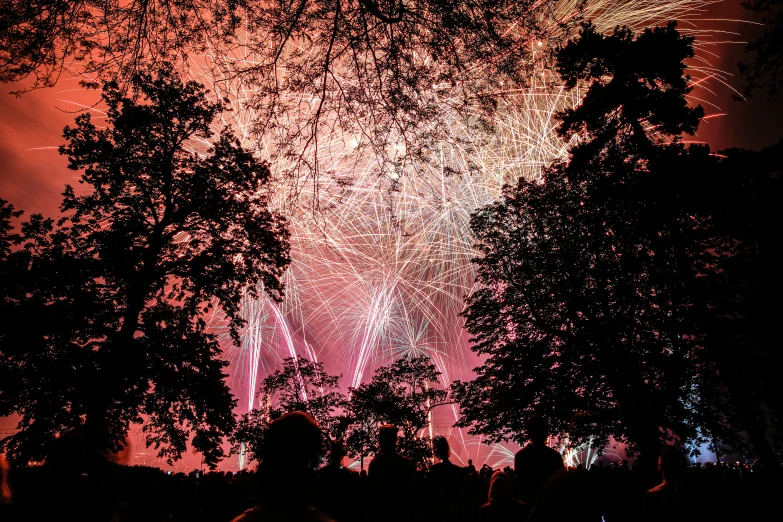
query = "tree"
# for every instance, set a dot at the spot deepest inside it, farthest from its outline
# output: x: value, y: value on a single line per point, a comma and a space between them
x: 381, y: 37
x: 583, y: 309
x: 301, y: 385
x: 741, y: 283
x: 402, y: 394
x: 765, y: 68
x: 7, y: 237
x: 104, y: 325
x: 40, y: 38
x: 388, y: 75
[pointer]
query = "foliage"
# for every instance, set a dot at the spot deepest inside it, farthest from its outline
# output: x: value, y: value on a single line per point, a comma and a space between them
x: 383, y: 38
x: 765, y: 69
x: 301, y: 385
x: 103, y: 310
x: 740, y: 282
x: 391, y: 74
x: 7, y: 237
x: 41, y: 37
x: 635, y: 96
x: 583, y: 309
x: 402, y: 394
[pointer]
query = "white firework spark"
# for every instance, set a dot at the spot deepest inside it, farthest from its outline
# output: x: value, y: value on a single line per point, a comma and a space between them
x: 380, y: 237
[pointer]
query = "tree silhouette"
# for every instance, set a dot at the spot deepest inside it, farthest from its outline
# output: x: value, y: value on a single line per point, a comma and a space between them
x: 7, y: 237
x: 739, y: 285
x: 381, y: 37
x: 402, y: 394
x: 391, y: 76
x: 104, y: 324
x: 301, y: 385
x: 583, y: 309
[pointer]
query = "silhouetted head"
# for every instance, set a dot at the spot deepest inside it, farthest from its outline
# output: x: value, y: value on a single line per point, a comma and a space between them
x: 441, y: 447
x: 501, y: 486
x: 293, y: 441
x: 387, y: 438
x: 537, y: 429
x: 671, y: 463
x: 336, y: 453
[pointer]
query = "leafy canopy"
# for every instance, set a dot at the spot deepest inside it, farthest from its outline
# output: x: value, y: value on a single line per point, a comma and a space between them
x: 301, y: 385
x: 582, y: 308
x: 401, y: 394
x: 388, y: 76
x: 106, y: 305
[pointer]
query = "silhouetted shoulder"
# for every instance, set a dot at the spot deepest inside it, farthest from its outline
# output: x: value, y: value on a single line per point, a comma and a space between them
x: 383, y: 462
x: 445, y: 472
x: 540, y: 456
x: 538, y: 450
x: 556, y: 458
x: 534, y: 465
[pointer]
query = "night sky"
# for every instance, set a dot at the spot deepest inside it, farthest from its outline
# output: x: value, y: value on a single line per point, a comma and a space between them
x: 33, y: 173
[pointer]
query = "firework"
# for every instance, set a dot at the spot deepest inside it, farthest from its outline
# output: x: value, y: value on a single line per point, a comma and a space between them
x: 585, y: 454
x: 380, y: 236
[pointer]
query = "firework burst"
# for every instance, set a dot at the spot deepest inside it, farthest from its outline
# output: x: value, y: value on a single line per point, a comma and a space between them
x: 380, y: 236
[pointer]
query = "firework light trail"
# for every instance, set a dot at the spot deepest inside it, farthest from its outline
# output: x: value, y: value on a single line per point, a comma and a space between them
x: 381, y: 249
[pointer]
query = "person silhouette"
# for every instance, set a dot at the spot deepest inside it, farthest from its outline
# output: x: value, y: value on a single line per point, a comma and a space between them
x: 536, y: 463
x: 287, y: 473
x: 669, y: 500
x: 501, y: 505
x: 339, y: 488
x: 391, y: 480
x: 445, y: 484
x: 445, y: 469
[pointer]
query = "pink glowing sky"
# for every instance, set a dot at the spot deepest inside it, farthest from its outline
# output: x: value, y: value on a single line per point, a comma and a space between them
x: 33, y: 173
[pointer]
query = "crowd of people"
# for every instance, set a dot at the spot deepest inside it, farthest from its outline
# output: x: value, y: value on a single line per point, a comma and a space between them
x: 290, y: 485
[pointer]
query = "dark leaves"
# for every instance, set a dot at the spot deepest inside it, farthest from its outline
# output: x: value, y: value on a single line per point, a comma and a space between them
x: 583, y: 304
x: 108, y: 300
